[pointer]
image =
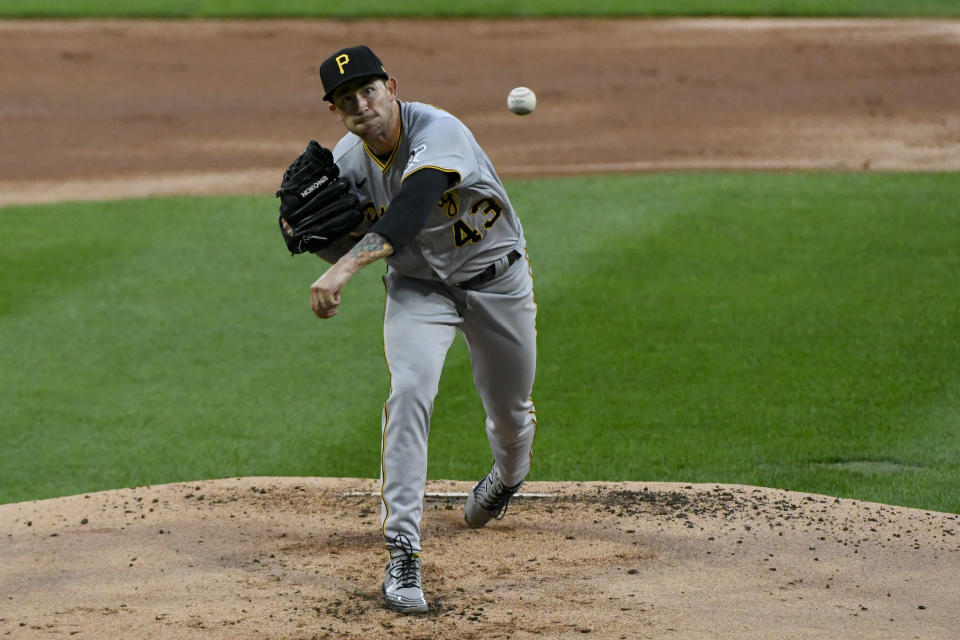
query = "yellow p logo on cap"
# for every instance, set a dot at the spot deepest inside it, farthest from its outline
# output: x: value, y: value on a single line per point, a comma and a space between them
x: 342, y: 59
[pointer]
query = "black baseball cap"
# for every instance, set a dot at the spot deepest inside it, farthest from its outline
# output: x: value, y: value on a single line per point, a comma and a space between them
x: 349, y: 64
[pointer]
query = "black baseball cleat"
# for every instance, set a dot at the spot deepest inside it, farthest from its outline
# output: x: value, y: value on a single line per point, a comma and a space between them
x: 488, y: 500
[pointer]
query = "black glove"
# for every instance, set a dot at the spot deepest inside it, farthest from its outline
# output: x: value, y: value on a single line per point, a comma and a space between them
x: 315, y: 202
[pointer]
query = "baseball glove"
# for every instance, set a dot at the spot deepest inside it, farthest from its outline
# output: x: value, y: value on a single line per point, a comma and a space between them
x: 316, y: 203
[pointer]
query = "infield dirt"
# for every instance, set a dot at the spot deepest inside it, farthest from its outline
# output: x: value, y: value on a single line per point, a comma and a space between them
x: 114, y: 109
x: 301, y: 558
x: 105, y: 109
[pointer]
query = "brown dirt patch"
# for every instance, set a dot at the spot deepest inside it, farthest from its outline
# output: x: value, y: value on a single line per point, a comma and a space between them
x: 296, y: 558
x: 113, y: 109
x: 94, y: 109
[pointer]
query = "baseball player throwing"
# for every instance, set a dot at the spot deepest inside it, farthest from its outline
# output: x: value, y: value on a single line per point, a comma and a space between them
x: 439, y: 216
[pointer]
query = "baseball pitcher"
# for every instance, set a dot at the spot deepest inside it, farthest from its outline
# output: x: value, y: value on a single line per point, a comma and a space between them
x: 408, y: 184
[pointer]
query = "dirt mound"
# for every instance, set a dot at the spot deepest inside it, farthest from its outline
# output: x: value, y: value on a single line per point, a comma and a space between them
x: 301, y: 558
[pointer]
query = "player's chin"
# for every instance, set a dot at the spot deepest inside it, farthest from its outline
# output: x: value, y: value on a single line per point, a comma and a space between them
x: 360, y: 125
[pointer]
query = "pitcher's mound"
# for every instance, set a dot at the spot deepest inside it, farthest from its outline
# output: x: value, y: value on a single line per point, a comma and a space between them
x: 302, y: 558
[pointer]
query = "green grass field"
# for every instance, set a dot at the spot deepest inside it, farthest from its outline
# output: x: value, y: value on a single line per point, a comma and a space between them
x: 798, y: 331
x: 473, y: 8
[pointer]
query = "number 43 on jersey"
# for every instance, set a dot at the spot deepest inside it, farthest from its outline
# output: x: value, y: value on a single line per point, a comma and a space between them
x: 486, y: 212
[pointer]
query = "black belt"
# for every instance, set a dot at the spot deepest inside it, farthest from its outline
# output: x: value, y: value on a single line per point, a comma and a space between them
x: 489, y: 273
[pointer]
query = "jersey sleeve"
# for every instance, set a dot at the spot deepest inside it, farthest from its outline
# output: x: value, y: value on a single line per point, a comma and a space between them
x: 442, y: 145
x: 408, y: 211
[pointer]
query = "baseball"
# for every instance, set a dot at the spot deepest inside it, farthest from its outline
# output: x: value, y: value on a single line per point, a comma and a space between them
x: 522, y: 101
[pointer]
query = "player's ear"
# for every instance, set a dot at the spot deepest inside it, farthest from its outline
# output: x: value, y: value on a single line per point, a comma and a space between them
x: 391, y: 84
x: 337, y: 114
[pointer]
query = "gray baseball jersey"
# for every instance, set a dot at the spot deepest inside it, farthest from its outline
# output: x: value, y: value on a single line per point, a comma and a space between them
x: 472, y: 225
x: 472, y: 229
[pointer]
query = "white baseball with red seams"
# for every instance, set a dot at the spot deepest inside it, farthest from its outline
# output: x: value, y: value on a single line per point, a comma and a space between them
x: 522, y: 101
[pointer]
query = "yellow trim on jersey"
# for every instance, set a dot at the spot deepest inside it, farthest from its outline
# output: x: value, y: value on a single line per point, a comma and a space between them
x: 536, y: 333
x: 383, y: 165
x: 440, y: 169
x: 383, y: 432
x: 383, y: 473
x: 533, y: 419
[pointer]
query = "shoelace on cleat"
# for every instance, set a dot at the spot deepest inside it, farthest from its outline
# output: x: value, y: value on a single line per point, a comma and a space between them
x: 497, y: 499
x: 405, y: 572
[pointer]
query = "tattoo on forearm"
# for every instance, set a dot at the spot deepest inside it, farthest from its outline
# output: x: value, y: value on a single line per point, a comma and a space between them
x: 371, y: 247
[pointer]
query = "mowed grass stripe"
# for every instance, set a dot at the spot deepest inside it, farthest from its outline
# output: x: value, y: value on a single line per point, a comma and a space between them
x: 753, y: 327
x: 789, y: 330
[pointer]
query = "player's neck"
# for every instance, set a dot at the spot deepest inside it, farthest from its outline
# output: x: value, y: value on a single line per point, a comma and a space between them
x: 383, y: 144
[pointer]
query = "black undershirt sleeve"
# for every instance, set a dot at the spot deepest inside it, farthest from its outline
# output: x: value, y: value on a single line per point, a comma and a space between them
x: 407, y: 212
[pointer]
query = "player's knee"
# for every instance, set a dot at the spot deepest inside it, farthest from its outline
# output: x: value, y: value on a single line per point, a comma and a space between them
x: 513, y: 419
x: 412, y: 392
